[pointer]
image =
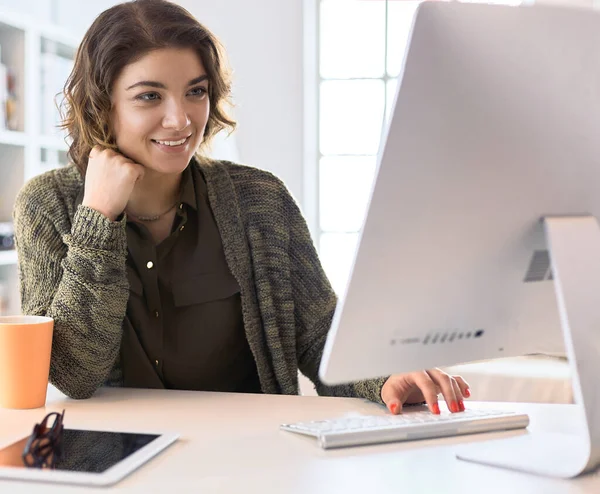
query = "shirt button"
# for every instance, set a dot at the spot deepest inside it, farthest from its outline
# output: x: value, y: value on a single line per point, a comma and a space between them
x: 181, y: 206
x: 181, y: 229
x: 156, y: 314
x: 156, y: 362
x: 150, y: 265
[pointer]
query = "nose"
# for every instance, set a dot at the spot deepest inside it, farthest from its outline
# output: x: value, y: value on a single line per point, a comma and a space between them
x: 176, y: 117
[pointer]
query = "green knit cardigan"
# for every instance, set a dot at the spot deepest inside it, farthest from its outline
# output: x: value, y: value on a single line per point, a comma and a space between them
x: 72, y: 267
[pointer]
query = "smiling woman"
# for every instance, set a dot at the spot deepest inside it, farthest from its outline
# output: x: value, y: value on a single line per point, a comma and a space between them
x: 163, y: 268
x: 121, y: 36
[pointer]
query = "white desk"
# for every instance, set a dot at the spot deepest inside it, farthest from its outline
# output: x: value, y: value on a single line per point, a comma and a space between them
x: 232, y: 444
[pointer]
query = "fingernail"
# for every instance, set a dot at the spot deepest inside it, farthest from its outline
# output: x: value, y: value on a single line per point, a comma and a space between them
x: 461, y: 405
x: 393, y: 408
x: 453, y: 407
x: 467, y: 392
x: 435, y: 409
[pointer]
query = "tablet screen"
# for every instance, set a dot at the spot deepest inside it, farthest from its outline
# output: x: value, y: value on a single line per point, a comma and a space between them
x: 84, y: 451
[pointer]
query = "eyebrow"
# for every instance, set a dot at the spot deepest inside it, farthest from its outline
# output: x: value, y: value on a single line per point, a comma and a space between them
x: 160, y: 85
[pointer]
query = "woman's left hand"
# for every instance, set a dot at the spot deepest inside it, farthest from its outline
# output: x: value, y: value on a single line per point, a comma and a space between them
x: 416, y: 387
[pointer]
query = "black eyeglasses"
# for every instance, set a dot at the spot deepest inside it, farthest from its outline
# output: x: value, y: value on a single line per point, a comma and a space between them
x: 44, y: 446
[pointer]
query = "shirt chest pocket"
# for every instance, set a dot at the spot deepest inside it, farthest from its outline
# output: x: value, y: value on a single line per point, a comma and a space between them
x: 204, y: 287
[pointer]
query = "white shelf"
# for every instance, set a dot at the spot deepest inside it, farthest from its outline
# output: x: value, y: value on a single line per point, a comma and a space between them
x: 13, y: 19
x: 27, y: 47
x: 8, y: 257
x: 13, y: 138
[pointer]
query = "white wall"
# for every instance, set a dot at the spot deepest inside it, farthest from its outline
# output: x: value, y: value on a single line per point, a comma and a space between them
x: 265, y: 46
x: 264, y: 42
x: 40, y: 9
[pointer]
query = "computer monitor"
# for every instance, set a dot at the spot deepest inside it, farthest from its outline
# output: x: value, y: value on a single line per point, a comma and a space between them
x: 488, y: 174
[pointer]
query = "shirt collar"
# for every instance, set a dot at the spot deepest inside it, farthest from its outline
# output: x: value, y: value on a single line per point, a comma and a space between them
x: 188, y: 189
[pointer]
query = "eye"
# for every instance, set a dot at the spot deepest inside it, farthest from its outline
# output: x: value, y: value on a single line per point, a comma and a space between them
x: 148, y: 97
x: 198, y: 91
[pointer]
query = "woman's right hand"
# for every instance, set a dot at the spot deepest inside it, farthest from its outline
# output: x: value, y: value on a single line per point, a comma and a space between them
x: 109, y: 181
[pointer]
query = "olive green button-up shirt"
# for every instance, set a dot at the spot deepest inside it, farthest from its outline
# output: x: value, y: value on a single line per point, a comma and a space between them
x: 184, y: 326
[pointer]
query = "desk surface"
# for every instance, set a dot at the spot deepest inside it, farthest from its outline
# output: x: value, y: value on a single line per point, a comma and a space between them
x: 231, y: 443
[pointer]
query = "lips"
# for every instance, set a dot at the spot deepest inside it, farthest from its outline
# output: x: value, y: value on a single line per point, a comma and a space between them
x: 172, y: 141
x: 173, y: 148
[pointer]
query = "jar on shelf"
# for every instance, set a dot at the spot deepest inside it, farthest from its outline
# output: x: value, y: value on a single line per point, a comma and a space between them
x: 12, y: 120
x: 3, y: 93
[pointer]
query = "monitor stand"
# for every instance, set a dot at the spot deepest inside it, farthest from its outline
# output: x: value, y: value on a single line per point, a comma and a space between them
x: 574, y: 246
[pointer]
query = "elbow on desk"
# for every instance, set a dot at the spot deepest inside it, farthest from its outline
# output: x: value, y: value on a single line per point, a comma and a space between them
x: 77, y: 387
x: 78, y: 373
x: 80, y: 393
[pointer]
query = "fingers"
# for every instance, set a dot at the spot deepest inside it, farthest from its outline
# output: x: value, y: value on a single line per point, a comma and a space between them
x: 429, y: 389
x: 109, y: 181
x: 96, y: 150
x: 450, y: 389
x: 391, y: 394
x: 464, y: 386
x: 99, y: 151
x: 458, y: 394
x: 415, y: 386
x: 399, y: 388
x: 136, y: 171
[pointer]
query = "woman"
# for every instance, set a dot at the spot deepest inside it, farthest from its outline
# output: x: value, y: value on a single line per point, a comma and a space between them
x: 164, y: 269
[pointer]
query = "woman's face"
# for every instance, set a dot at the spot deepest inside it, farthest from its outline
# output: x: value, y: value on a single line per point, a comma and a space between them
x: 160, y: 107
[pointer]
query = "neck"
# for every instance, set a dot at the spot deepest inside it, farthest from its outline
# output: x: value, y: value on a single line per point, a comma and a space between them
x: 154, y: 194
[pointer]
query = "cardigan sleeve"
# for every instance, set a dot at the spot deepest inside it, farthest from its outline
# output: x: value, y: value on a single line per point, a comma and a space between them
x: 314, y: 306
x: 78, y: 278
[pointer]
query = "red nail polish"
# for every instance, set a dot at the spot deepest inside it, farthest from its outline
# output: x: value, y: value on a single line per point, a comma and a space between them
x: 461, y: 405
x: 393, y: 408
x: 467, y: 392
x: 435, y: 408
x: 453, y: 407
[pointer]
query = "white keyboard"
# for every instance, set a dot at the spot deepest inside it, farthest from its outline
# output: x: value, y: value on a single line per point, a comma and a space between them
x: 408, y: 426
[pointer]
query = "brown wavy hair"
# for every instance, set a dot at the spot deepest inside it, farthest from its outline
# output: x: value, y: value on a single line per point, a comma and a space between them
x: 118, y: 37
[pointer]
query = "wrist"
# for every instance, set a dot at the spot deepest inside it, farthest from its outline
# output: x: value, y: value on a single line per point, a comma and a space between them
x: 91, y: 229
x: 102, y: 211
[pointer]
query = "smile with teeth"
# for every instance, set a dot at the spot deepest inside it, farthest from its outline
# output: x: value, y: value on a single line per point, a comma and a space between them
x: 172, y: 143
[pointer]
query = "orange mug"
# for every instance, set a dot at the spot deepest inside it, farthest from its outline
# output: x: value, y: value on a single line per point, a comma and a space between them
x: 25, y: 349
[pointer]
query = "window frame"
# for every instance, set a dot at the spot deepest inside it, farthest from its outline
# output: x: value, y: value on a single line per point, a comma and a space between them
x: 312, y: 108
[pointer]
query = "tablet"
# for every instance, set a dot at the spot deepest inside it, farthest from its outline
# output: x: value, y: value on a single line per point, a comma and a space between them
x: 94, y: 458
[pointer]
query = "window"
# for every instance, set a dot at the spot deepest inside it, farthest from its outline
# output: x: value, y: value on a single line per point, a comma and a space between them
x: 360, y: 50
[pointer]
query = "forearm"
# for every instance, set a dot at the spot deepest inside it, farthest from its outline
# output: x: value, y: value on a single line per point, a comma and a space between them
x: 88, y: 293
x: 315, y: 303
x: 369, y: 389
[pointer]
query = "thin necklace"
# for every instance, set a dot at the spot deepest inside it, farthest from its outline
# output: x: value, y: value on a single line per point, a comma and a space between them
x: 153, y: 218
